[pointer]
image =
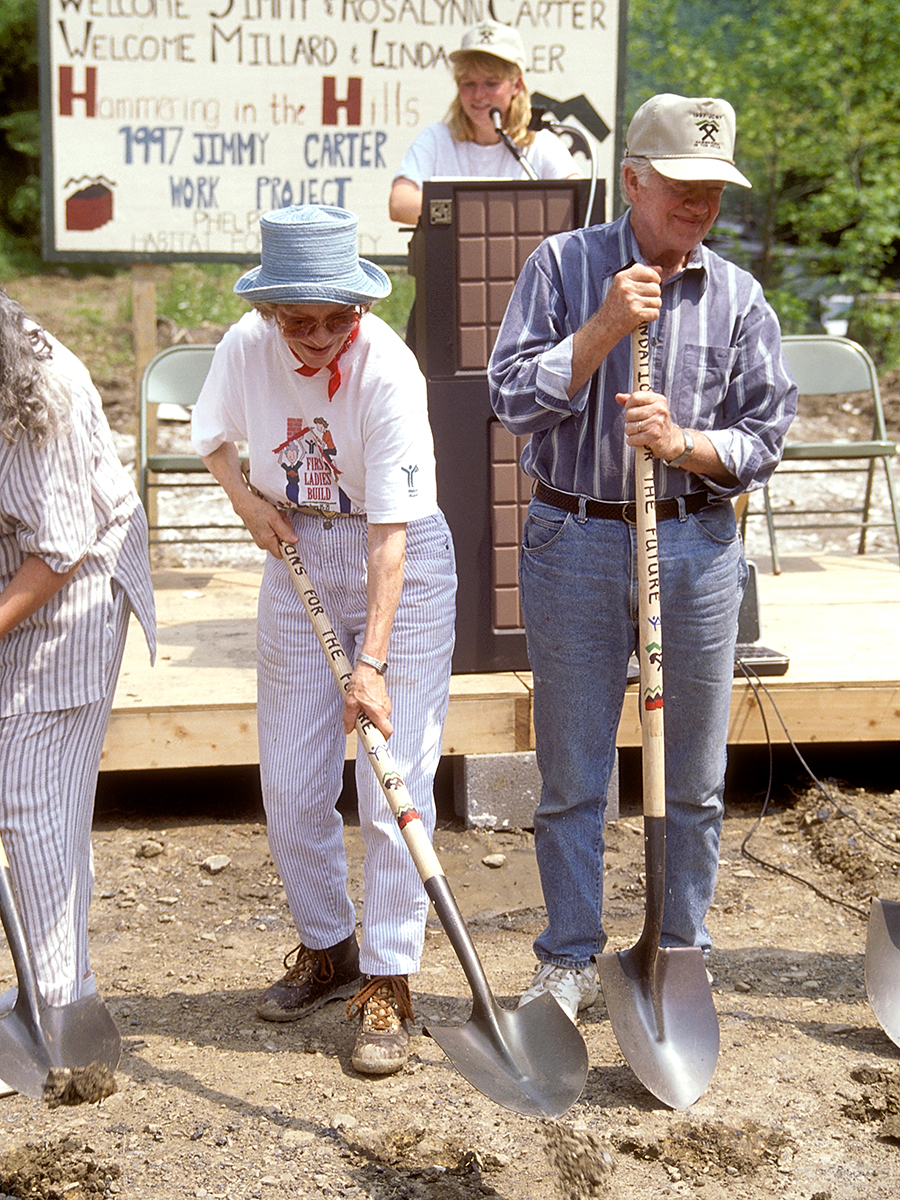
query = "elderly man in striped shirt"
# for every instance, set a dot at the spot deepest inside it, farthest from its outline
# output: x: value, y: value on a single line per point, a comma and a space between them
x: 715, y: 417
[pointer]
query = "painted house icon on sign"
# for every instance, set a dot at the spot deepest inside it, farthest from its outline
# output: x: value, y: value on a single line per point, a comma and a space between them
x: 91, y: 206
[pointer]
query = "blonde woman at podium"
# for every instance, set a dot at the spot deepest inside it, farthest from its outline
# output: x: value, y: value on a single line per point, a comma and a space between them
x: 485, y: 133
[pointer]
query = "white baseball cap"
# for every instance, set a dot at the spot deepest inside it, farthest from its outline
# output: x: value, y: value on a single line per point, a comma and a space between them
x: 502, y: 41
x: 686, y: 138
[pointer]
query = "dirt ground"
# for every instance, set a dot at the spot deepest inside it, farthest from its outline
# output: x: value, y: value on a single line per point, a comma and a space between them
x: 189, y: 923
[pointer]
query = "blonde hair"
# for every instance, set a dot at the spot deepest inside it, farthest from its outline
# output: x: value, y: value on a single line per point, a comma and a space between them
x: 519, y: 110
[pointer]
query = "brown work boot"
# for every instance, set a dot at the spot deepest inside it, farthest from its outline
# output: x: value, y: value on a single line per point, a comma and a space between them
x: 382, y: 1041
x: 312, y: 979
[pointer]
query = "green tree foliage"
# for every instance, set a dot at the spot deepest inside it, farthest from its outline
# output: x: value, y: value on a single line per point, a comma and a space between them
x: 814, y: 84
x: 19, y: 122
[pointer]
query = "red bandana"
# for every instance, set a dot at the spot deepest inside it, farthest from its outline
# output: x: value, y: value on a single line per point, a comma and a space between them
x: 334, y: 371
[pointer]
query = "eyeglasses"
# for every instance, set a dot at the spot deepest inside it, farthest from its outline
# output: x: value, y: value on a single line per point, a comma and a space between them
x: 341, y: 322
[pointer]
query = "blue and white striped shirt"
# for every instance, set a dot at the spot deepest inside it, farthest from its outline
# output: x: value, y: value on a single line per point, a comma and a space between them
x: 715, y: 354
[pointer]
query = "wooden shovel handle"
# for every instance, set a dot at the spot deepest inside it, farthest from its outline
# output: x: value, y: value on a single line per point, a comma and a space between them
x: 372, y: 739
x: 649, y: 620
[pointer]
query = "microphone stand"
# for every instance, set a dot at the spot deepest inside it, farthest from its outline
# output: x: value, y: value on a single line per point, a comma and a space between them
x: 497, y: 118
x: 580, y: 142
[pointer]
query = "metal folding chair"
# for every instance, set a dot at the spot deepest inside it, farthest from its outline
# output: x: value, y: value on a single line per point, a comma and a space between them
x: 175, y: 376
x: 826, y: 365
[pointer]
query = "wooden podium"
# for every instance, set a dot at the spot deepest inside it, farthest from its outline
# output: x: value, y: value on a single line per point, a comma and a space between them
x: 466, y: 253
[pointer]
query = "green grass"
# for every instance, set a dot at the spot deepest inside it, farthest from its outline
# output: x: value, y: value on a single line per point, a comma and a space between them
x: 194, y: 294
x: 395, y: 308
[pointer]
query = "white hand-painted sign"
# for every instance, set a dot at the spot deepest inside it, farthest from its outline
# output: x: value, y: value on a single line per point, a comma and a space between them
x: 170, y: 125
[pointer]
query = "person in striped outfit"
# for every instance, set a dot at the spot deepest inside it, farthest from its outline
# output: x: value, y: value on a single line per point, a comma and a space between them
x: 73, y: 567
x: 332, y: 407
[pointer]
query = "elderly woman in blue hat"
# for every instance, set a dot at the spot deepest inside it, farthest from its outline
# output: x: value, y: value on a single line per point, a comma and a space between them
x: 332, y: 407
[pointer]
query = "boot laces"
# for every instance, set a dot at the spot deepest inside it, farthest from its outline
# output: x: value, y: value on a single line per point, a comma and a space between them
x: 316, y: 964
x: 382, y: 1002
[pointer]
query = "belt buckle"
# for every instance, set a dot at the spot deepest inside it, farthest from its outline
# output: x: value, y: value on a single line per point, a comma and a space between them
x: 629, y: 512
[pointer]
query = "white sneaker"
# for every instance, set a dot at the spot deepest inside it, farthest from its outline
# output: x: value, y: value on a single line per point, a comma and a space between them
x: 573, y: 988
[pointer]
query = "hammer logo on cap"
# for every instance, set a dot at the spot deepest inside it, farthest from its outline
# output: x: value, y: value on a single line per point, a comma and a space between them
x: 710, y: 130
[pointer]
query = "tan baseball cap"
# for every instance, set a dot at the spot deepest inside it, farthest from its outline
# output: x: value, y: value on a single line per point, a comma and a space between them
x: 686, y: 138
x: 491, y: 38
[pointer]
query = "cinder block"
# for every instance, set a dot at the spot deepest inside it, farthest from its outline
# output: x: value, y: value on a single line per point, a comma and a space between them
x: 501, y: 791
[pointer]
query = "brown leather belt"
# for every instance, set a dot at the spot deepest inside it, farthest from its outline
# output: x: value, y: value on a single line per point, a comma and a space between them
x: 627, y: 512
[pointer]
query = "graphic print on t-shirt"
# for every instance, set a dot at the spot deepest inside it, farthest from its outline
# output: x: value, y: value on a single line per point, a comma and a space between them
x: 307, y: 457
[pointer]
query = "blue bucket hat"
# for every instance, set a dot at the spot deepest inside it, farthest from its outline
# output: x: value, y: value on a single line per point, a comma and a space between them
x: 309, y: 256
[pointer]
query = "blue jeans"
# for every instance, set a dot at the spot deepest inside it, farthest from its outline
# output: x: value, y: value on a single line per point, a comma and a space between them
x: 579, y: 589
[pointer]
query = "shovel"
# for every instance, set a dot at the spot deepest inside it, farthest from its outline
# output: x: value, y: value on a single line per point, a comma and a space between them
x: 532, y: 1060
x: 883, y: 965
x: 62, y: 1054
x: 659, y: 1000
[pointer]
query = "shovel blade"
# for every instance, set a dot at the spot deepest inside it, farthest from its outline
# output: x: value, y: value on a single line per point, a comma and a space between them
x: 82, y: 1034
x: 664, y: 1020
x: 883, y: 966
x: 532, y: 1060
x: 72, y: 1036
x: 24, y: 1059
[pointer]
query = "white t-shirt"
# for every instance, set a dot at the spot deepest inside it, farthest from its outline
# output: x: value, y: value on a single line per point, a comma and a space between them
x: 368, y: 450
x: 435, y: 155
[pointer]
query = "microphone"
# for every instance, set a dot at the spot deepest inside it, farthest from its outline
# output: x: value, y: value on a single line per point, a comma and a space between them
x: 497, y: 118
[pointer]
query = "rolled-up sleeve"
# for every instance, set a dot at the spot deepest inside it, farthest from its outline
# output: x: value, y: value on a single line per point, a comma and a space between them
x: 750, y: 423
x: 531, y: 365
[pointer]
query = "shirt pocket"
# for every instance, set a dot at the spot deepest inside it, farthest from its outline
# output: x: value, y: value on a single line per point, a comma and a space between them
x: 703, y: 379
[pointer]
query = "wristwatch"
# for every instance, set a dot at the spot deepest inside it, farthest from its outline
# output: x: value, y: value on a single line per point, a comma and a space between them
x: 685, y: 454
x: 377, y: 663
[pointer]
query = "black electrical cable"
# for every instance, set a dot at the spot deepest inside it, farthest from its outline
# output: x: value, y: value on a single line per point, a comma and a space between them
x: 892, y: 849
x: 756, y: 684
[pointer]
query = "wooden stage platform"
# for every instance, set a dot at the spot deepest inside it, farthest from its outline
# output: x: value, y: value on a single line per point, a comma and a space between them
x: 835, y: 616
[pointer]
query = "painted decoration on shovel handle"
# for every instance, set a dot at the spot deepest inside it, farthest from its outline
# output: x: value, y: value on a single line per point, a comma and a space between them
x: 648, y: 545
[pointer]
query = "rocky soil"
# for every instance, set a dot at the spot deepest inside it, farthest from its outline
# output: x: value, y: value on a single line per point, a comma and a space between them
x: 189, y: 923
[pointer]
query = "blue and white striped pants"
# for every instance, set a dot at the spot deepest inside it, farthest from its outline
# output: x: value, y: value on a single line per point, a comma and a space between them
x: 302, y: 741
x: 48, y: 781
